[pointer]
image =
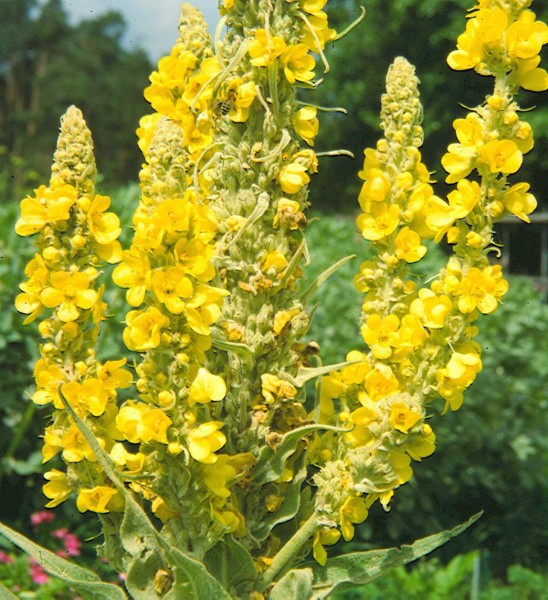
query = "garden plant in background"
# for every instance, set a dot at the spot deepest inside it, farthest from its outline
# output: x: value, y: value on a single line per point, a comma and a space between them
x: 216, y: 475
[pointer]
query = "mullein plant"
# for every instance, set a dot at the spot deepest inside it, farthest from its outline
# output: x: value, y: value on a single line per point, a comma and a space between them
x: 214, y: 475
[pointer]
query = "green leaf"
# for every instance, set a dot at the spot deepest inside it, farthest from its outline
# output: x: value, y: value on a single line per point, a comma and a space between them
x: 290, y: 506
x: 192, y: 580
x: 359, y: 568
x: 231, y: 564
x: 141, y: 576
x: 297, y: 583
x: 271, y: 462
x: 137, y: 533
x: 83, y: 580
x: 305, y: 374
x: 5, y: 594
x: 324, y: 276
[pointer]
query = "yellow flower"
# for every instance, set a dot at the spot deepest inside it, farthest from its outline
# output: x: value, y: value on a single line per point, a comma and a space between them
x: 380, y: 382
x: 518, y: 201
x: 501, y: 156
x: 318, y: 34
x: 273, y: 387
x: 265, y: 49
x: 172, y: 288
x: 203, y: 309
x: 217, y: 476
x: 411, y: 335
x: 273, y: 261
x: 353, y: 511
x: 458, y: 162
x: 69, y: 292
x: 104, y: 227
x: 298, y: 65
x: 324, y: 536
x: 140, y: 423
x: 89, y: 395
x: 401, y: 418
x: 355, y: 373
x: 408, y: 246
x: 282, y: 318
x: 312, y: 6
x: 238, y: 98
x: 133, y: 273
x: 52, y: 444
x: 29, y: 302
x: 529, y: 76
x: 57, y: 490
x: 483, y: 35
x: 75, y: 447
x: 376, y: 188
x: 206, y: 387
x: 481, y: 289
x: 113, y: 376
x: 422, y: 445
x: 48, y: 378
x: 380, y: 334
x: 380, y: 222
x: 97, y: 499
x: 361, y: 419
x: 205, y: 440
x: 49, y: 205
x: 293, y: 177
x: 306, y: 124
x: 432, y: 309
x: 525, y: 37
x: 401, y: 463
x: 133, y: 462
x: 143, y: 329
x: 459, y: 373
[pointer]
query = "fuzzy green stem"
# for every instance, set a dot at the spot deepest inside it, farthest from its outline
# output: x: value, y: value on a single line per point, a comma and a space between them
x: 291, y: 548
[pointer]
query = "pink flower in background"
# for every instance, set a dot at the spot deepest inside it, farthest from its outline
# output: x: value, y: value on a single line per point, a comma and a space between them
x: 37, y: 574
x: 72, y: 544
x: 43, y: 516
x: 60, y: 533
x: 70, y: 540
x: 5, y: 558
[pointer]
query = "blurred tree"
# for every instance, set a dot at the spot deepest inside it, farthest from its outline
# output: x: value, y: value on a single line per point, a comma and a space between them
x: 46, y: 64
x: 424, y: 31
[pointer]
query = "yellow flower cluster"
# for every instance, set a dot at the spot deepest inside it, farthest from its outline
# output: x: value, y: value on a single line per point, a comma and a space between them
x: 420, y: 340
x: 503, y: 37
x: 217, y: 438
x: 76, y: 235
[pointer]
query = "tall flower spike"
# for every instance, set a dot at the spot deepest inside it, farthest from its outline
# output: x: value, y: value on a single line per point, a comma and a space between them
x: 75, y: 235
x: 378, y: 397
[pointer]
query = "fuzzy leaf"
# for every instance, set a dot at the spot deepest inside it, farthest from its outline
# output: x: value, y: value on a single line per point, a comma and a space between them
x: 323, y: 277
x: 296, y: 583
x: 137, y: 533
x: 290, y: 505
x: 305, y: 374
x: 231, y: 564
x: 141, y: 577
x: 192, y: 580
x: 83, y: 580
x: 271, y: 462
x: 359, y: 568
x: 5, y: 594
